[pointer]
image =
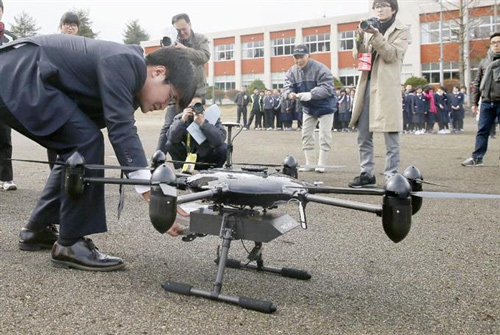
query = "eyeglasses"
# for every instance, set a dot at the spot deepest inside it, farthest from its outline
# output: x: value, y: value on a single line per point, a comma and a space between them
x: 70, y: 25
x: 381, y: 5
x: 495, y: 43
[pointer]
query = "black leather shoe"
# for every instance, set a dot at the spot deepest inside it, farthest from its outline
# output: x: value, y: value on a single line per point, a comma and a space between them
x: 84, y: 255
x: 30, y: 240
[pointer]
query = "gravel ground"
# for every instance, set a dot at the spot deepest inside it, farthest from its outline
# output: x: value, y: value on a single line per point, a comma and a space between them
x: 442, y: 279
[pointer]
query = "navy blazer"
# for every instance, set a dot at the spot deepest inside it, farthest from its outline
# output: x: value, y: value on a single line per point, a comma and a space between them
x: 46, y: 78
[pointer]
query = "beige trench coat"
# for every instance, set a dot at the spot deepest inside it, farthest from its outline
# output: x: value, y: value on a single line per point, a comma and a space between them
x: 385, y: 87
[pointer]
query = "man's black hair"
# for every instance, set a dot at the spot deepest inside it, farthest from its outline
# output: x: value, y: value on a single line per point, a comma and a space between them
x: 181, y: 16
x: 495, y: 34
x: 180, y: 73
x: 1, y: 4
x: 70, y: 18
x: 393, y: 3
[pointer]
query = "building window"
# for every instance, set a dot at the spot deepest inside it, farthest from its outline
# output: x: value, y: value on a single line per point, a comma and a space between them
x: 254, y: 49
x: 483, y: 27
x: 224, y: 52
x: 406, y: 72
x: 430, y: 71
x: 225, y: 83
x: 283, y: 46
x: 349, y: 76
x: 346, y: 40
x: 430, y: 32
x: 247, y: 79
x: 278, y: 79
x: 318, y: 43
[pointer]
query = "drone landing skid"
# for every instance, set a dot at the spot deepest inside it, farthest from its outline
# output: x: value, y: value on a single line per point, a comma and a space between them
x: 246, y: 225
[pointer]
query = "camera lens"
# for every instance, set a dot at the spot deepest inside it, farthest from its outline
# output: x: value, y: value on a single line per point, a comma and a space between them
x: 198, y: 108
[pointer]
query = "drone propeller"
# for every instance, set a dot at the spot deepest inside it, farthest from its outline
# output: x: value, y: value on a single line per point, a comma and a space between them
x: 299, y: 166
x: 449, y: 195
x: 421, y: 181
x: 35, y: 161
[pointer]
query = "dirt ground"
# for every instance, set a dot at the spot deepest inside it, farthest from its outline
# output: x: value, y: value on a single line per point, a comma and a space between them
x: 442, y: 279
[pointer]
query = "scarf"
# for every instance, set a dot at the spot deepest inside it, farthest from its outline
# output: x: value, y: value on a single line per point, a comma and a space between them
x: 384, y: 26
x: 491, y: 73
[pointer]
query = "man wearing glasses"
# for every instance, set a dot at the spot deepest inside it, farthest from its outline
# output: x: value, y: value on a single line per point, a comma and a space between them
x: 487, y: 87
x: 196, y: 46
x: 380, y: 46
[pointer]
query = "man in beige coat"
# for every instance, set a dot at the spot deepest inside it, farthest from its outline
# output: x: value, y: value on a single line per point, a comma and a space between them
x: 377, y: 105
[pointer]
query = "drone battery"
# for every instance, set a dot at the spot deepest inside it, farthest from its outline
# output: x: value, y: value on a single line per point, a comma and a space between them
x: 247, y: 225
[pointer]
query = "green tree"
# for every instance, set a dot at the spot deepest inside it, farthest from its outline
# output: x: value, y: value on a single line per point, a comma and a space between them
x: 337, y: 83
x: 134, y: 34
x: 25, y: 25
x: 256, y: 84
x: 85, y: 23
x: 416, y: 81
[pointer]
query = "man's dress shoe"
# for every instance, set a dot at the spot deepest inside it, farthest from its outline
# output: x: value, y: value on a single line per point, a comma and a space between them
x: 30, y: 240
x: 84, y: 255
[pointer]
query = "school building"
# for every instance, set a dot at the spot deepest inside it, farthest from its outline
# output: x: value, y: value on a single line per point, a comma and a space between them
x: 241, y: 56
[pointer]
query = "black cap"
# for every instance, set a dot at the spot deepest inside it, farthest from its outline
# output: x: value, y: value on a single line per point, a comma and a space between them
x: 300, y: 49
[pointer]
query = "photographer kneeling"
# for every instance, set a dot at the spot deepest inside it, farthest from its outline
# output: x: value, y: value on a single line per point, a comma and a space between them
x: 182, y: 146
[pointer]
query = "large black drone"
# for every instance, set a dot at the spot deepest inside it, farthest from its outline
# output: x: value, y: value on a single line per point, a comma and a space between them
x: 241, y: 203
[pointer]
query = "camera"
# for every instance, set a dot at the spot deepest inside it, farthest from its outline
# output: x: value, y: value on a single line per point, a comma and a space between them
x: 165, y: 41
x: 365, y: 24
x: 198, y: 108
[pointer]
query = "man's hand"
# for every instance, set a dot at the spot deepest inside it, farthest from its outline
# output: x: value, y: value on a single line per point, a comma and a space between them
x: 187, y: 114
x: 199, y: 118
x: 474, y: 109
x: 305, y: 96
x: 147, y: 195
x: 179, y: 45
x: 292, y: 96
x: 175, y: 230
x: 371, y: 30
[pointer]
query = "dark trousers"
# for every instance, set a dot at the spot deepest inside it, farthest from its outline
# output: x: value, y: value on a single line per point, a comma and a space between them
x: 86, y: 215
x: 258, y: 121
x: 487, y: 116
x: 5, y: 152
x: 217, y: 156
x: 277, y: 119
x: 268, y: 118
x: 242, y: 110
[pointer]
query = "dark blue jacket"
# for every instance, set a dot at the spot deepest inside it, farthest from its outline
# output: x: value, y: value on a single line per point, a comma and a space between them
x: 316, y: 78
x: 50, y: 77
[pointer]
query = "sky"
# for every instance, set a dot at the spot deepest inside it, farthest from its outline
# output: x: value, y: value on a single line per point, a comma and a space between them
x: 109, y: 17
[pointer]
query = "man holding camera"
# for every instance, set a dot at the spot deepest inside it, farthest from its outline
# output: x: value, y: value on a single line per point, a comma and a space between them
x: 380, y: 46
x: 183, y: 147
x: 196, y: 46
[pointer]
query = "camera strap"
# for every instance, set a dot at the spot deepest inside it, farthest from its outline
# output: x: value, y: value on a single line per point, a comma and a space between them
x: 191, y: 158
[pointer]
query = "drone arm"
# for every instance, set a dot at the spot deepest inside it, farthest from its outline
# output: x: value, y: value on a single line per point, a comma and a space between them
x: 345, y: 204
x: 345, y: 190
x: 198, y: 196
x: 117, y: 181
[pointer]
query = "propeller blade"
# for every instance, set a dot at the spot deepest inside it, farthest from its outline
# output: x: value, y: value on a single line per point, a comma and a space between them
x: 322, y: 166
x: 448, y: 195
x: 114, y: 167
x: 429, y: 183
x: 35, y: 161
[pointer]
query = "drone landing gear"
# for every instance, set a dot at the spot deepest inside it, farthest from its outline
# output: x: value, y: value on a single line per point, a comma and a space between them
x: 256, y: 256
x: 238, y: 225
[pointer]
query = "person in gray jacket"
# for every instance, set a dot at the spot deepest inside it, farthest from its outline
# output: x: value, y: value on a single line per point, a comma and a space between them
x: 180, y: 143
x: 196, y: 46
x: 311, y: 82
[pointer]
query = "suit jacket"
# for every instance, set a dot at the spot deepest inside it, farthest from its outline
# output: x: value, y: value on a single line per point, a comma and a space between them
x: 50, y: 77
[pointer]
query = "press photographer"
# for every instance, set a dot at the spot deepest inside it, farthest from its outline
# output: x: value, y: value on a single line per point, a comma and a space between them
x: 182, y: 145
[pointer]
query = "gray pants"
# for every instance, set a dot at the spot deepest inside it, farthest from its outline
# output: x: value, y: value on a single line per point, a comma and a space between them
x: 365, y: 142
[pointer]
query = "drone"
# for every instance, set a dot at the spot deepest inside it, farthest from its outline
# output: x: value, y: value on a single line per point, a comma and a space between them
x: 243, y: 204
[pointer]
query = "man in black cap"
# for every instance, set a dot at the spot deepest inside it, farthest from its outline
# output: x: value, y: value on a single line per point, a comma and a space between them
x: 6, y: 173
x: 311, y: 82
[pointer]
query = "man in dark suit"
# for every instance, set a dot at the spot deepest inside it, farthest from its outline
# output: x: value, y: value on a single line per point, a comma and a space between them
x: 6, y: 172
x: 60, y: 91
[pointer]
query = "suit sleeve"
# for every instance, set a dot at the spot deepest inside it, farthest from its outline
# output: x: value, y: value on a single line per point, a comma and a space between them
x: 120, y: 77
x: 290, y: 83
